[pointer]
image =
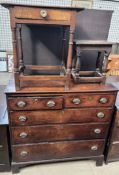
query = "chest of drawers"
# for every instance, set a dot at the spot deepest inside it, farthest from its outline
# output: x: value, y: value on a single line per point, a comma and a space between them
x: 4, y: 133
x: 50, y: 125
x: 112, y: 149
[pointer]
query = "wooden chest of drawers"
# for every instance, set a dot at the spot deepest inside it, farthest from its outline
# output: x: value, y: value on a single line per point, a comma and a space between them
x: 50, y: 125
x: 112, y: 149
x: 4, y: 133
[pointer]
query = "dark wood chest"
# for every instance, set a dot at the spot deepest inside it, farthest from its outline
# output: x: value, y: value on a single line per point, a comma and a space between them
x: 50, y: 125
x: 112, y: 148
x: 4, y: 133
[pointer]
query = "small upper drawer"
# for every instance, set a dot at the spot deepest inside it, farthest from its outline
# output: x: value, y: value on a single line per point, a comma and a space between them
x: 89, y: 100
x: 47, y: 14
x: 35, y: 103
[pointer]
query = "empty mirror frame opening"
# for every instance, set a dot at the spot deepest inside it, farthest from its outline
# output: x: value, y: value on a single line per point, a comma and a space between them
x: 42, y: 54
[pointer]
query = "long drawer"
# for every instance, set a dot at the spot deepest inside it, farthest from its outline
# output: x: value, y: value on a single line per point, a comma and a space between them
x: 60, y: 116
x: 35, y: 103
x: 3, y: 137
x: 42, y: 133
x: 4, y: 157
x: 57, y: 150
x: 113, y: 154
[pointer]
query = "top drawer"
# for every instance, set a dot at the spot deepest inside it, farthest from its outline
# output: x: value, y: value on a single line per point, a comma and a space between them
x: 42, y: 14
x: 35, y: 103
x: 89, y: 100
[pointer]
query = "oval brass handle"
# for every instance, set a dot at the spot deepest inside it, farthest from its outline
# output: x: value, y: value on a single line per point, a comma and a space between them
x: 100, y: 115
x: 23, y: 153
x: 23, y: 135
x: 51, y: 103
x: 97, y: 131
x: 21, y: 104
x: 94, y: 147
x: 22, y: 118
x: 76, y: 101
x: 118, y: 123
x: 43, y: 13
x: 103, y: 100
x: 1, y: 146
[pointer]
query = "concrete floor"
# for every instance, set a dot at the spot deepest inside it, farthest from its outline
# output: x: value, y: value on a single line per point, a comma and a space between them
x: 70, y: 168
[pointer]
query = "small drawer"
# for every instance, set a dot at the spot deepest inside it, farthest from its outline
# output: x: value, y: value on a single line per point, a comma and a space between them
x: 60, y: 116
x: 46, y: 14
x: 45, y: 133
x: 58, y: 150
x: 35, y: 103
x: 89, y: 100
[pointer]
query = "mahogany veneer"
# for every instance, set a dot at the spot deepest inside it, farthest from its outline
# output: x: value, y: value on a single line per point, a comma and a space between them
x: 52, y: 125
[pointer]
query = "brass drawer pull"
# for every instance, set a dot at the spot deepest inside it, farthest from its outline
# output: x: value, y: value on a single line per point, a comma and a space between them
x: 100, y: 115
x: 94, y: 148
x: 23, y: 153
x: 97, y: 131
x: 51, y: 103
x: 76, y: 101
x: 21, y: 104
x: 1, y: 146
x: 103, y: 100
x: 23, y: 135
x: 117, y: 123
x: 22, y: 118
x: 43, y: 13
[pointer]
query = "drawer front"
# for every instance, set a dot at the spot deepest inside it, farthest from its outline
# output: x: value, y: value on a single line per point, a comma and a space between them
x: 42, y: 133
x: 115, y: 133
x: 89, y: 100
x: 60, y: 116
x: 57, y: 150
x: 35, y: 103
x: 113, y: 154
x: 4, y: 157
x: 3, y: 137
x: 42, y: 14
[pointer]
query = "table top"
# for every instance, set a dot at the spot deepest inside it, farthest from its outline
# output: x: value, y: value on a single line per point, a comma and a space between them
x: 8, y: 4
x: 74, y: 88
x: 93, y: 42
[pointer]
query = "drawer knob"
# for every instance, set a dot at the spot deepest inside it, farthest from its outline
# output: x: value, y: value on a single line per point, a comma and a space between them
x: 1, y: 146
x: 103, y: 100
x: 50, y: 103
x: 23, y: 135
x: 23, y: 153
x: 22, y: 118
x: 21, y: 104
x: 100, y: 115
x: 97, y: 131
x: 76, y: 101
x: 94, y: 148
x: 43, y: 13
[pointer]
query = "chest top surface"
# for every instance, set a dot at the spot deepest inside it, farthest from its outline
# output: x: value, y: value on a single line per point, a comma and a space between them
x: 74, y: 88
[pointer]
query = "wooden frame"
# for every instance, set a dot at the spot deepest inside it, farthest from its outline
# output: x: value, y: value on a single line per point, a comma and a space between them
x: 28, y: 14
x: 99, y: 75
